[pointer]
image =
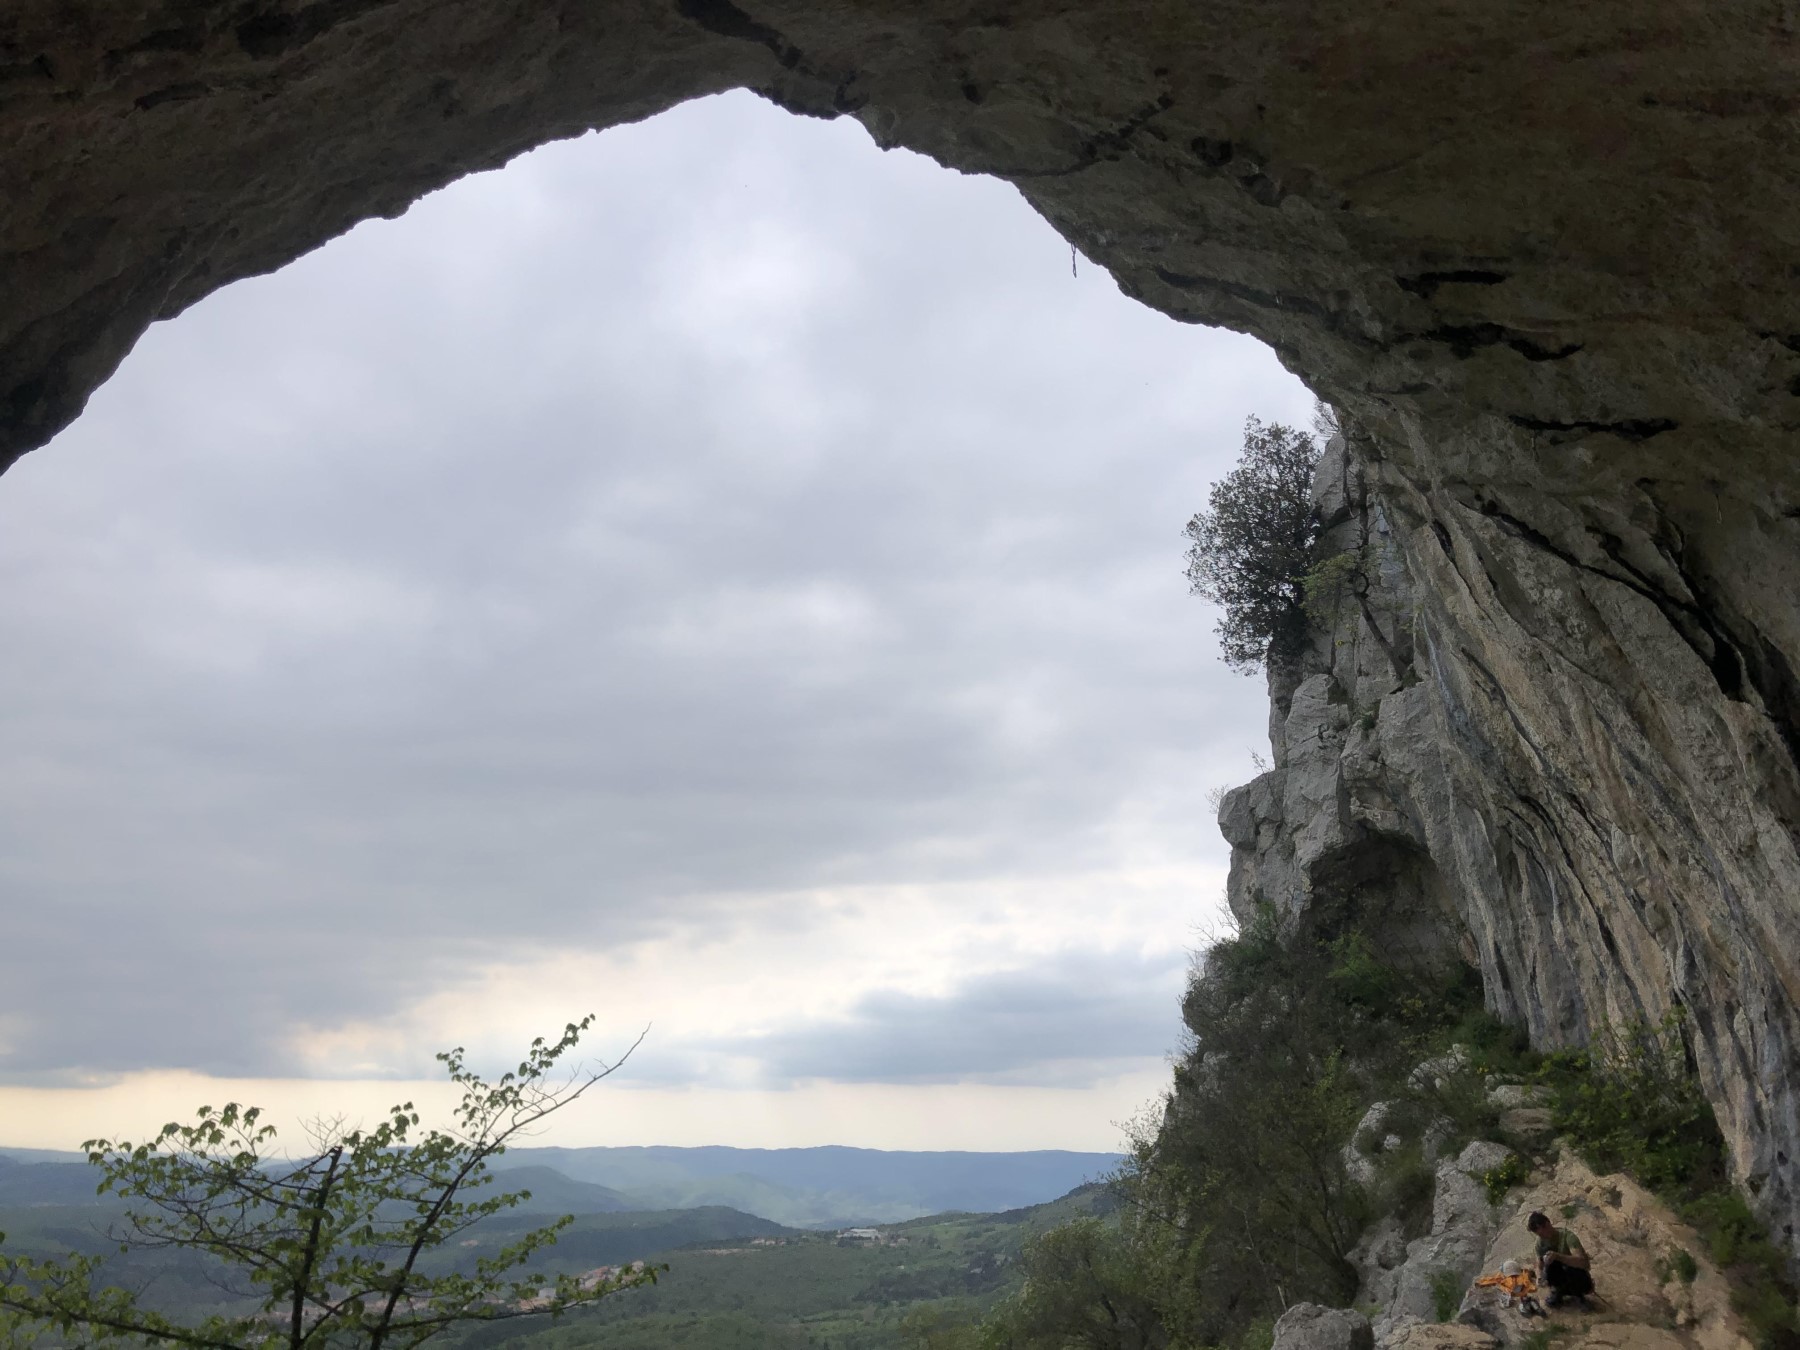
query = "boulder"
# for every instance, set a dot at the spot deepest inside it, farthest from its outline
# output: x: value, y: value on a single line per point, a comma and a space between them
x: 1435, y: 1073
x: 1462, y: 1222
x: 1528, y: 1124
x: 1510, y: 1096
x: 1309, y: 1326
x: 1369, y: 1140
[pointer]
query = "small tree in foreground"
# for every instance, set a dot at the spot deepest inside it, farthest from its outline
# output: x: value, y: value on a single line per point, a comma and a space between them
x: 329, y: 1246
x: 1253, y: 546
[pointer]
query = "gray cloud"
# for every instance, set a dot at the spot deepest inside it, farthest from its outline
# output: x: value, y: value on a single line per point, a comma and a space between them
x: 708, y: 509
x: 1069, y: 1021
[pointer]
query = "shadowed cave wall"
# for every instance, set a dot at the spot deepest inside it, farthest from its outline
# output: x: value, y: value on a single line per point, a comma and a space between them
x: 1543, y: 255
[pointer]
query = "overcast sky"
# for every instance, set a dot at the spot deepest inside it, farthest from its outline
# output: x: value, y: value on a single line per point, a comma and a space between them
x: 713, y: 574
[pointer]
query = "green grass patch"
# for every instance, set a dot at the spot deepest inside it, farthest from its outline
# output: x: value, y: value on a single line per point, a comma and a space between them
x: 1447, y: 1288
x: 1680, y: 1265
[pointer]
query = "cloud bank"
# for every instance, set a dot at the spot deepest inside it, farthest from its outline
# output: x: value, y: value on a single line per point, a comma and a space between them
x: 713, y: 571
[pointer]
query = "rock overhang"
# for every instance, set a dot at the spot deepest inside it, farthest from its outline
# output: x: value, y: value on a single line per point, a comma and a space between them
x: 1543, y: 255
x: 1569, y: 222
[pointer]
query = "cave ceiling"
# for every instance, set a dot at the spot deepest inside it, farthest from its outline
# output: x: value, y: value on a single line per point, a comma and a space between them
x: 1576, y: 221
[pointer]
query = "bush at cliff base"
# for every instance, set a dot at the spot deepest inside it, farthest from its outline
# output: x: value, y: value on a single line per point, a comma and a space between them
x: 1238, y: 1198
x: 1239, y: 1202
x: 1631, y: 1102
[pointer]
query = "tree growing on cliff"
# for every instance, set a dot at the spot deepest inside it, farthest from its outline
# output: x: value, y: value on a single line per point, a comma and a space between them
x: 331, y: 1250
x: 1253, y: 546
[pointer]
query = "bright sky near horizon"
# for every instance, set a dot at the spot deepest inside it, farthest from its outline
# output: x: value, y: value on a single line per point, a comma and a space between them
x: 713, y: 574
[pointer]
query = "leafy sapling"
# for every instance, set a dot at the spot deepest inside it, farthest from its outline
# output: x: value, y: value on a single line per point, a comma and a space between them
x: 328, y: 1250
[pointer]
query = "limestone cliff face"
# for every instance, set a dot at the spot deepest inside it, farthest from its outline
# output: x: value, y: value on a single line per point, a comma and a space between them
x: 1544, y: 254
x: 1533, y: 752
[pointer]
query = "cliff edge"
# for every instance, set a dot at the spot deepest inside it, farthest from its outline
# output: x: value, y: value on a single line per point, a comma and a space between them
x: 1512, y: 751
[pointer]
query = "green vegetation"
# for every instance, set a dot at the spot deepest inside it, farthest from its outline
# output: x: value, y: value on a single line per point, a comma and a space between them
x: 1497, y: 1181
x: 1447, y: 1291
x: 1238, y: 1203
x: 1330, y: 584
x: 1081, y: 1287
x: 1632, y: 1102
x: 1252, y: 548
x: 1679, y: 1264
x: 1635, y: 1106
x: 1739, y: 1245
x: 734, y: 1279
x: 332, y: 1249
x: 928, y: 1283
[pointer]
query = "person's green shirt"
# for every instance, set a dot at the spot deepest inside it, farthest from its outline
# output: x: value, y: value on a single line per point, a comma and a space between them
x: 1565, y: 1244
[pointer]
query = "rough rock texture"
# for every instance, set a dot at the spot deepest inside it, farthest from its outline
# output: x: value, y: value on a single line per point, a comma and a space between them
x: 1524, y: 1112
x: 1462, y: 1223
x: 1629, y: 1234
x: 1368, y: 1141
x: 1542, y: 253
x: 1438, y: 1336
x: 1308, y: 1326
x: 1514, y: 748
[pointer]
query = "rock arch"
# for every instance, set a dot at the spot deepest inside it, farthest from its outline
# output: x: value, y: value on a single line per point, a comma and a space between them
x: 1543, y: 254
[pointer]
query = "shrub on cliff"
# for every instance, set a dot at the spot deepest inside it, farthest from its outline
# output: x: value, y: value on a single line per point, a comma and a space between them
x: 1632, y: 1102
x: 1238, y: 1198
x: 1253, y: 546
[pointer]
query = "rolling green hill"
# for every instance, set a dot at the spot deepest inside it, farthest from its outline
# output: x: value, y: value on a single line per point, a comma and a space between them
x: 553, y: 1193
x: 807, y: 1289
x: 613, y: 1239
x: 54, y: 1181
x: 734, y: 1279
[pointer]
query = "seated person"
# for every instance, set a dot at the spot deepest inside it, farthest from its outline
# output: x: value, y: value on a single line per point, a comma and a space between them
x: 1561, y: 1261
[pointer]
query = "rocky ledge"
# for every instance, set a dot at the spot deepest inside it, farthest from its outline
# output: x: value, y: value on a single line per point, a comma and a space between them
x: 1643, y: 1299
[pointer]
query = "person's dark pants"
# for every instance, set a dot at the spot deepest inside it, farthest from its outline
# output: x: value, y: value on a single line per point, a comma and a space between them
x: 1566, y: 1281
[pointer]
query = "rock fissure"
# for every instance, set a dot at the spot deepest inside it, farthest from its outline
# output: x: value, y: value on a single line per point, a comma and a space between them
x: 1685, y: 617
x: 727, y: 20
x: 1630, y: 429
x: 1100, y: 147
x: 1464, y: 340
x: 1425, y: 285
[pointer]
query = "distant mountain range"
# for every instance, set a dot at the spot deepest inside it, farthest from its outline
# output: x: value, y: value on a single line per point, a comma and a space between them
x: 823, y: 1187
x: 799, y: 1187
x: 31, y: 1177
